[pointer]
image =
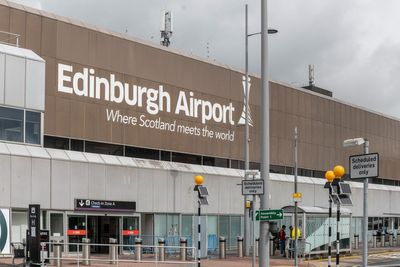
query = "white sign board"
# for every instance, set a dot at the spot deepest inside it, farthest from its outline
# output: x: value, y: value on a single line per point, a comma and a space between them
x: 364, y: 166
x: 253, y: 187
x: 5, y: 231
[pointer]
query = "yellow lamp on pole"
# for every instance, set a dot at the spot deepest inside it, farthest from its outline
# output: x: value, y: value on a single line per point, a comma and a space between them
x: 198, y: 179
x: 338, y: 171
x: 329, y: 176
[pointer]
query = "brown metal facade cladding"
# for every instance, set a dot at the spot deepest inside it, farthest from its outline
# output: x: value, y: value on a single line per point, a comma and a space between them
x: 323, y: 122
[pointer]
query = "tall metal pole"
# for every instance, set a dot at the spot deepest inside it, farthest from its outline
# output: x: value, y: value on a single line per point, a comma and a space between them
x: 246, y: 147
x: 199, y: 235
x: 337, y: 230
x: 330, y: 229
x: 365, y: 214
x: 264, y: 205
x: 295, y: 191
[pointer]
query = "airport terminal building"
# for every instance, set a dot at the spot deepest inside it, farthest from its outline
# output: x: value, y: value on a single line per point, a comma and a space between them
x: 93, y: 116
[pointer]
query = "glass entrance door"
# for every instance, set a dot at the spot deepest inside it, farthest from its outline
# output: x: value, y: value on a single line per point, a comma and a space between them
x: 130, y: 229
x: 100, y: 229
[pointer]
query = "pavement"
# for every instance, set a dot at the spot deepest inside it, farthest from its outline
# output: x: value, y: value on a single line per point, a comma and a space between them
x: 231, y: 261
x: 384, y: 257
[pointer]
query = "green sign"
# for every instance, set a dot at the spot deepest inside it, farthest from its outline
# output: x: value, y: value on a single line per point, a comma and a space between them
x: 269, y: 215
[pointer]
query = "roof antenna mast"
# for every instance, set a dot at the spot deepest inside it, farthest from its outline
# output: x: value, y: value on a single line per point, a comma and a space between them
x: 166, y: 28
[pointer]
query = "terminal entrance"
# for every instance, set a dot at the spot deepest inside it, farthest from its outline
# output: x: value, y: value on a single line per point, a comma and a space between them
x: 101, y: 229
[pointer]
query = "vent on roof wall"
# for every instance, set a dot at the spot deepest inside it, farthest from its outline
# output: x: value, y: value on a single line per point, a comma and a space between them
x: 311, y: 84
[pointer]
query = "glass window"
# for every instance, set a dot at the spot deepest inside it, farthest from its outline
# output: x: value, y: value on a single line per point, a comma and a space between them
x: 166, y: 155
x: 234, y: 164
x: 11, y: 124
x: 32, y: 127
x: 224, y: 227
x: 235, y: 230
x: 254, y: 166
x: 77, y: 145
x: 187, y: 221
x: 186, y: 158
x: 212, y: 233
x: 56, y: 224
x: 102, y: 148
x: 56, y: 142
x: 144, y: 153
x: 19, y: 225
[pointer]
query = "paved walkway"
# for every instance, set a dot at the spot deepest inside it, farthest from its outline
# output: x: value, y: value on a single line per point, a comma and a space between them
x: 229, y: 262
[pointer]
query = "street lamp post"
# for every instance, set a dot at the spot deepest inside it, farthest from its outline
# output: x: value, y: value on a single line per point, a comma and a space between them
x: 247, y: 138
x: 329, y: 175
x: 339, y: 172
x: 365, y: 142
x: 264, y: 225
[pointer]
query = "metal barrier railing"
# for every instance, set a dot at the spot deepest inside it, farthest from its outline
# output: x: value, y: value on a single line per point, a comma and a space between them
x: 82, y: 257
x: 10, y: 37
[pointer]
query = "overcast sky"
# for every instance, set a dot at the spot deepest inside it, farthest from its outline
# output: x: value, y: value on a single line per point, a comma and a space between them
x: 354, y: 45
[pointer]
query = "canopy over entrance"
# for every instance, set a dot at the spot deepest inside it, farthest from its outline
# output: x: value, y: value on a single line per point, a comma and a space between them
x: 314, y: 210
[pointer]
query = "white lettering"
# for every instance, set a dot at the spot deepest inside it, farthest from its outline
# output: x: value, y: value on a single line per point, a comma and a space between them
x: 63, y: 78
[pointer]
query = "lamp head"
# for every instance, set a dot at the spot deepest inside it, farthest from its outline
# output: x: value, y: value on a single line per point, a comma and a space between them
x: 353, y: 142
x: 329, y: 176
x: 338, y: 171
x: 198, y: 179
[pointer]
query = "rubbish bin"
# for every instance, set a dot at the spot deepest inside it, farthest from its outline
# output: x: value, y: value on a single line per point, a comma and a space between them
x: 57, y: 252
x: 356, y: 241
x: 222, y: 247
x: 138, y: 248
x: 113, y: 251
x: 161, y: 249
x: 374, y: 239
x: 183, y: 248
x: 240, y: 246
x: 86, y: 251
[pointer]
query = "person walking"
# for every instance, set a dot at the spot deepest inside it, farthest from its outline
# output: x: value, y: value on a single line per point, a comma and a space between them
x: 282, y: 240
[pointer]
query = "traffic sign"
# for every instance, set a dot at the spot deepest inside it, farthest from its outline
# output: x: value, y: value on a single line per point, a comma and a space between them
x: 253, y: 187
x: 269, y: 215
x: 364, y: 166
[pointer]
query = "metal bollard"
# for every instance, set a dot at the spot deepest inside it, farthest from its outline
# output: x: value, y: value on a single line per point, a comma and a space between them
x: 57, y: 253
x: 183, y: 249
x: 161, y: 249
x: 391, y: 239
x: 138, y: 248
x: 222, y: 247
x: 271, y: 247
x: 398, y: 238
x: 374, y: 240
x: 382, y: 240
x: 86, y: 251
x: 240, y: 246
x: 113, y: 251
x: 356, y: 241
x: 257, y: 246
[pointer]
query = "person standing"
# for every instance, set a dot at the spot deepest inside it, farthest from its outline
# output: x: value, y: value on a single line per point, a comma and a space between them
x: 282, y: 240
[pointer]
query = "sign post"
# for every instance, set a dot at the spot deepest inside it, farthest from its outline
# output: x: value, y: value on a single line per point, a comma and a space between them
x: 34, y: 233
